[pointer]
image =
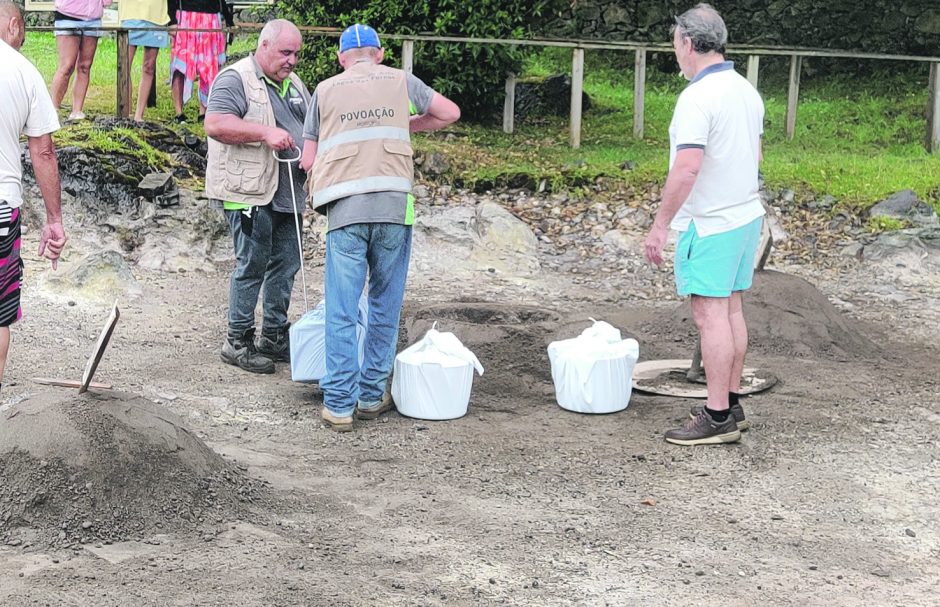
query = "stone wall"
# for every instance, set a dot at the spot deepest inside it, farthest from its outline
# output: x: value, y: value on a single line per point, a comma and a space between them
x: 882, y: 26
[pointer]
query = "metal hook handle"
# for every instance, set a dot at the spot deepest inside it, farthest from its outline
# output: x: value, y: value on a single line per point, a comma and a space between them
x: 279, y: 159
x: 297, y: 214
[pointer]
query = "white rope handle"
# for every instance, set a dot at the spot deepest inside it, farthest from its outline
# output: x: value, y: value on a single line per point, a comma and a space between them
x: 293, y: 195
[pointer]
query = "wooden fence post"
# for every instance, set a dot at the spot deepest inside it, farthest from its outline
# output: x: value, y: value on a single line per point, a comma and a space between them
x: 408, y: 55
x: 639, y: 93
x: 793, y: 94
x: 753, y: 67
x: 509, y: 105
x: 933, y: 110
x: 123, y: 76
x: 577, y: 88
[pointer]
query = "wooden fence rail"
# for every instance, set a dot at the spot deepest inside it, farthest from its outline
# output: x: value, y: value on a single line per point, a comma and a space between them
x: 753, y: 54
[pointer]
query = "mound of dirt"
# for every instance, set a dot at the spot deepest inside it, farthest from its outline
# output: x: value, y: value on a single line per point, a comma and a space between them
x: 786, y: 315
x: 510, y: 342
x: 80, y: 468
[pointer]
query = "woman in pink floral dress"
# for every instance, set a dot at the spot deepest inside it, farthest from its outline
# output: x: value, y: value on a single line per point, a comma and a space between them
x: 197, y: 55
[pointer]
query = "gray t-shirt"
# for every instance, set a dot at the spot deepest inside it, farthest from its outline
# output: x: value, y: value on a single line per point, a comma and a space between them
x: 228, y: 97
x: 374, y: 207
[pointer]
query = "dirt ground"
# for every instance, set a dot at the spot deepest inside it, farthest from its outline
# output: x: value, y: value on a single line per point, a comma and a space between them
x: 829, y: 499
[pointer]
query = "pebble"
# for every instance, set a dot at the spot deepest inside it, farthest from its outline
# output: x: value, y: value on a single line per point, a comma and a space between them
x: 910, y: 533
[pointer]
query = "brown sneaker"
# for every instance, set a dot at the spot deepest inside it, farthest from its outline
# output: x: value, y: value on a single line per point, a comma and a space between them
x: 335, y: 422
x: 737, y: 412
x: 368, y: 413
x: 703, y: 430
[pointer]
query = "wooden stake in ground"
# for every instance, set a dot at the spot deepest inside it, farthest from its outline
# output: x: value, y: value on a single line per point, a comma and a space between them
x: 93, y: 361
x: 69, y: 383
x: 98, y: 352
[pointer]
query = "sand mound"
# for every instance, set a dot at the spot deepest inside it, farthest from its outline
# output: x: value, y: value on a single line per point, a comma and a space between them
x: 78, y: 468
x: 786, y: 315
x: 510, y: 342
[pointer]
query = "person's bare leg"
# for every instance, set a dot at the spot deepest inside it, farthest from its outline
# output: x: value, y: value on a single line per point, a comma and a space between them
x: 4, y: 349
x: 67, y: 47
x: 176, y: 87
x: 86, y: 56
x: 739, y: 331
x: 712, y: 319
x: 131, y: 52
x: 147, y: 69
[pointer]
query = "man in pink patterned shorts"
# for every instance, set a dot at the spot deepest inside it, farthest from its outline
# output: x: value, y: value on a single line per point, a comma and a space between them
x: 27, y: 110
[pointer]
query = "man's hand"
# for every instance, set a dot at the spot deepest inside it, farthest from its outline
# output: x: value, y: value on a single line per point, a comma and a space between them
x: 278, y: 139
x: 51, y: 242
x: 655, y: 243
x: 309, y: 155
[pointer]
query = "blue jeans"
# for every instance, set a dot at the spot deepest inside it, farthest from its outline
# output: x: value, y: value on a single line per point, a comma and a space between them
x: 381, y: 250
x: 266, y: 258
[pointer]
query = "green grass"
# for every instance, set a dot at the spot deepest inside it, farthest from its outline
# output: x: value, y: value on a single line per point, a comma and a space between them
x: 856, y: 139
x: 40, y: 48
x: 851, y: 141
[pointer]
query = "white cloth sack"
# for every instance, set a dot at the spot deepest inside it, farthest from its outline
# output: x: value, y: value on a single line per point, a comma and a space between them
x: 433, y: 377
x: 308, y: 341
x: 593, y: 373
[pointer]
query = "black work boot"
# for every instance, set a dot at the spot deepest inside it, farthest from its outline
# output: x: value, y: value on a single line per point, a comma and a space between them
x: 276, y: 346
x: 241, y: 352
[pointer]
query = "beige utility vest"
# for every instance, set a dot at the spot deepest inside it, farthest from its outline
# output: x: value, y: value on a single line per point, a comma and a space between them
x: 246, y: 173
x: 364, y: 143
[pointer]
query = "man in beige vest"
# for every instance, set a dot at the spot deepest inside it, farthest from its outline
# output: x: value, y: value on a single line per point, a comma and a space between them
x: 357, y: 149
x: 256, y: 107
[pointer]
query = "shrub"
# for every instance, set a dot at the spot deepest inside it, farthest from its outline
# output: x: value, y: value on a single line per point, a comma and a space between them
x: 471, y: 75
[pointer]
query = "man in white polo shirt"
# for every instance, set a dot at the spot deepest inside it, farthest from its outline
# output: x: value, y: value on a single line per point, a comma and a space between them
x: 711, y: 198
x: 27, y: 110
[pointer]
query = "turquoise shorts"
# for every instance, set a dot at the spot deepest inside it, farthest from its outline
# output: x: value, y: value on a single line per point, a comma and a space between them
x: 716, y: 265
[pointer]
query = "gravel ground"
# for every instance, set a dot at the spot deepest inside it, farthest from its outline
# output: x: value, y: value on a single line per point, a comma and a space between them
x: 830, y: 498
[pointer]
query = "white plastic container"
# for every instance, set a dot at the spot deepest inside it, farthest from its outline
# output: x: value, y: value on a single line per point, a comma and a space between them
x: 433, y: 377
x: 308, y: 342
x: 593, y: 373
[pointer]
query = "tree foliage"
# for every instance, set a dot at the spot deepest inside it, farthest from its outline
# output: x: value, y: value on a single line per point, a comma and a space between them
x: 471, y: 75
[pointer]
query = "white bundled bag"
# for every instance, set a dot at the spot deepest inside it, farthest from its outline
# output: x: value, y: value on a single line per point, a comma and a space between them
x: 433, y: 377
x: 593, y: 373
x: 308, y: 341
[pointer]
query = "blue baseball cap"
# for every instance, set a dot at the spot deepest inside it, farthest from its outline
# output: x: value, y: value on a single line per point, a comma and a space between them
x: 358, y: 36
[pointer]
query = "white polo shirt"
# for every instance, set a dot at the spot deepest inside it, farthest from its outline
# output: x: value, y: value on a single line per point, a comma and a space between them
x: 26, y: 110
x: 720, y: 112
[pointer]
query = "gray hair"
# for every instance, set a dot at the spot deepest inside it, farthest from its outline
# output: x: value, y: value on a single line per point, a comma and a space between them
x: 704, y: 27
x: 274, y: 28
x: 9, y: 10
